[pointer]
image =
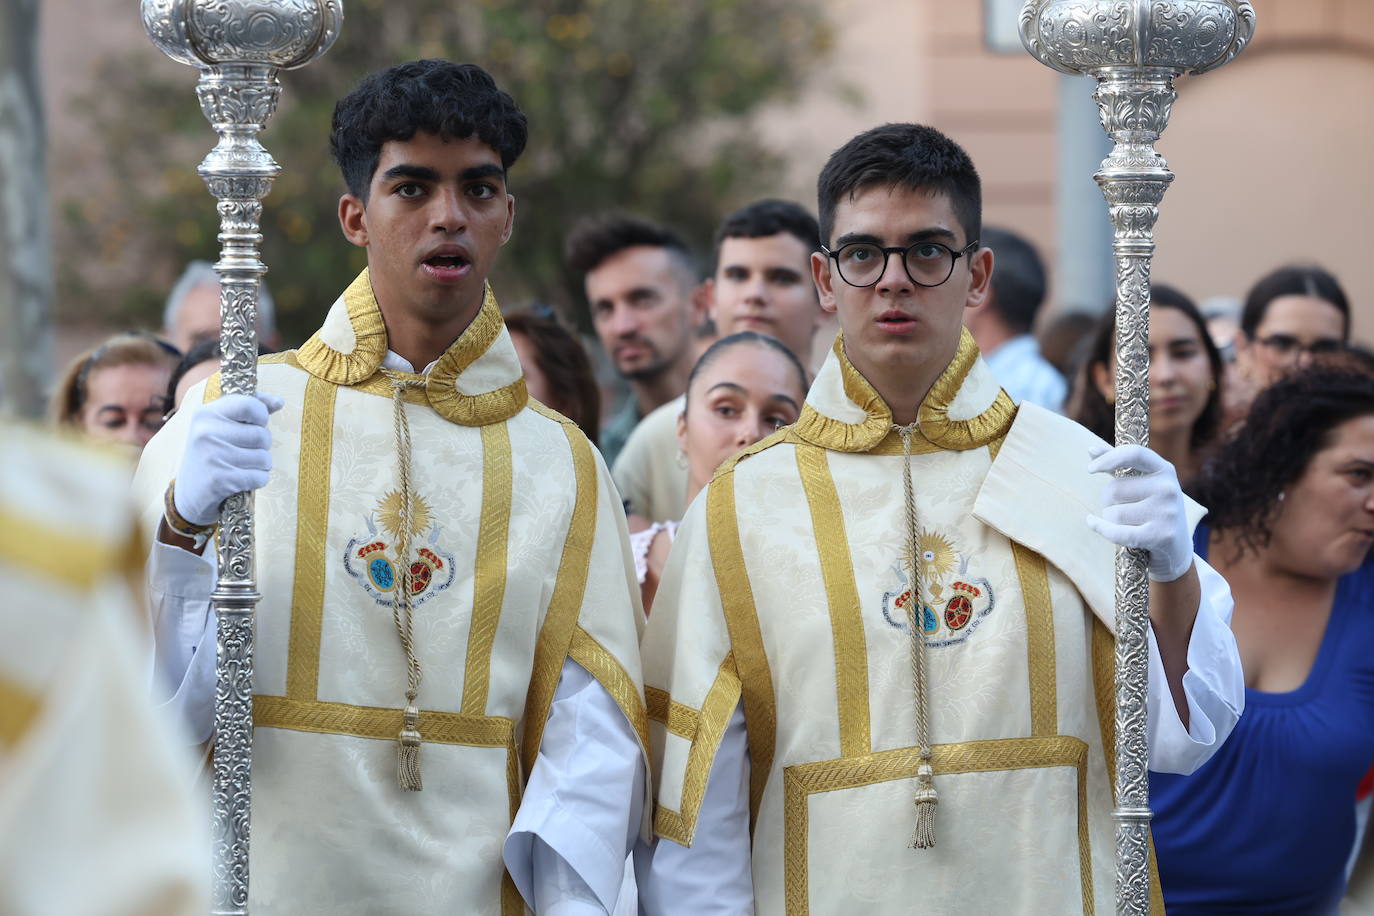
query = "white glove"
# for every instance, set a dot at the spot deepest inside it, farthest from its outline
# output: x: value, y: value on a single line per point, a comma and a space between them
x: 1144, y: 511
x: 228, y: 450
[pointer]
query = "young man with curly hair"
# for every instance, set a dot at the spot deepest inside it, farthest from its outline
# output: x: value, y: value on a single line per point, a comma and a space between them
x: 447, y: 638
x: 900, y: 605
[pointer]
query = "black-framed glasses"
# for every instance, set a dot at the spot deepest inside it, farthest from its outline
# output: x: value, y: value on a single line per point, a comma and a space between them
x: 927, y: 263
x: 1288, y: 345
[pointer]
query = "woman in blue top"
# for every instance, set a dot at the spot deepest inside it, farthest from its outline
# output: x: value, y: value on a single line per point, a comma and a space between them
x: 1267, y: 824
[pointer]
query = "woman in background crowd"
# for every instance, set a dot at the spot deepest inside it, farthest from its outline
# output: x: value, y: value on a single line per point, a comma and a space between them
x: 1185, y: 382
x: 1290, y: 315
x: 742, y: 388
x: 199, y: 363
x: 117, y: 391
x: 1266, y: 826
x: 558, y: 372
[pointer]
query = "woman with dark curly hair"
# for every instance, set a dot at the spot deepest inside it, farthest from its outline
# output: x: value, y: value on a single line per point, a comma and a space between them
x: 1185, y: 382
x: 1268, y: 823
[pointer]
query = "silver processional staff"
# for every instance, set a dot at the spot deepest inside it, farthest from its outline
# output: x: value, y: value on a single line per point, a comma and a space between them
x: 240, y: 47
x: 1134, y: 49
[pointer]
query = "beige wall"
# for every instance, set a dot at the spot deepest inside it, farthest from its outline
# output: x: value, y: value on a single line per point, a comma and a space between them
x: 1269, y: 151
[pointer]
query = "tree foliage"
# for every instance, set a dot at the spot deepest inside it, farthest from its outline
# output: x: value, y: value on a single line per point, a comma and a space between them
x: 637, y: 105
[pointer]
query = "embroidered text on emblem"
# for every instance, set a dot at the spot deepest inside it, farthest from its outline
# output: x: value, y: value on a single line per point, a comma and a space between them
x: 372, y: 561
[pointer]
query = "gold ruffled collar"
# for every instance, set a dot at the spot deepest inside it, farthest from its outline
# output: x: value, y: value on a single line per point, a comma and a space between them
x: 966, y: 407
x: 476, y: 382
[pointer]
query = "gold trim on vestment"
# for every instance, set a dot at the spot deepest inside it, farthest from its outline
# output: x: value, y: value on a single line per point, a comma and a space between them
x: 1104, y: 687
x: 312, y: 541
x: 804, y: 780
x: 611, y: 675
x: 842, y: 595
x: 746, y: 638
x: 679, y: 718
x: 360, y: 368
x: 58, y: 556
x: 1040, y: 650
x: 680, y: 825
x: 935, y: 429
x: 383, y: 724
x: 565, y: 605
x: 19, y: 708
x: 489, y: 573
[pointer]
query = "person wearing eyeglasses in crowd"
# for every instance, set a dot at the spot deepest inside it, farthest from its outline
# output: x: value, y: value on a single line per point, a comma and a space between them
x: 1291, y: 315
x: 116, y: 391
x: 881, y: 627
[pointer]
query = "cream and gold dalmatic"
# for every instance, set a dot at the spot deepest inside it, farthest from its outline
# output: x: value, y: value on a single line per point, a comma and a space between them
x: 805, y: 621
x: 518, y: 560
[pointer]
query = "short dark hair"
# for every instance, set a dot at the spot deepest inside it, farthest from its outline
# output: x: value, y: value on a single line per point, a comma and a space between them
x: 739, y: 338
x: 768, y: 217
x: 564, y: 362
x: 1292, y: 280
x: 1018, y: 277
x: 907, y: 155
x: 1096, y: 414
x: 597, y: 238
x: 1289, y: 422
x: 452, y: 101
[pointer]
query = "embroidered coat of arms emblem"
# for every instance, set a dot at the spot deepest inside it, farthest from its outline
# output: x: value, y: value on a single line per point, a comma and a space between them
x: 372, y: 561
x: 953, y: 600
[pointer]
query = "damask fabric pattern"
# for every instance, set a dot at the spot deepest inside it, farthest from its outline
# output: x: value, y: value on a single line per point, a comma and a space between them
x: 786, y: 594
x: 519, y: 562
x: 98, y: 813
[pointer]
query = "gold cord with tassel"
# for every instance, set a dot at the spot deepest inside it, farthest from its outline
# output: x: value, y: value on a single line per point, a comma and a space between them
x: 926, y: 800
x: 402, y: 609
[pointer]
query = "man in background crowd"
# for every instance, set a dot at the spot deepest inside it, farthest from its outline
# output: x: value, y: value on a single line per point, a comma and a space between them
x: 639, y: 279
x: 1002, y: 327
x: 192, y: 311
x: 762, y: 282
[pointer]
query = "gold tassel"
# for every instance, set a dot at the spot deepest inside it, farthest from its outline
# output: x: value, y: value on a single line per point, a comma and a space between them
x: 408, y: 752
x: 926, y: 802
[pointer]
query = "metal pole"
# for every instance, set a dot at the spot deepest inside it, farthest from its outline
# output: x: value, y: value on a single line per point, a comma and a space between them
x: 1135, y: 49
x: 240, y: 47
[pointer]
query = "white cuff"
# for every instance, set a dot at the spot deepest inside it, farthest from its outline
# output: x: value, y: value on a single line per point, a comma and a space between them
x: 1213, y: 685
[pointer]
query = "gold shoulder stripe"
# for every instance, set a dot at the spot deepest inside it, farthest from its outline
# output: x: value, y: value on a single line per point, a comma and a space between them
x: 18, y: 709
x: 611, y: 674
x: 846, y: 621
x: 746, y: 639
x: 786, y: 434
x: 489, y: 575
x: 680, y: 826
x: 312, y: 531
x: 565, y: 605
x: 1040, y: 657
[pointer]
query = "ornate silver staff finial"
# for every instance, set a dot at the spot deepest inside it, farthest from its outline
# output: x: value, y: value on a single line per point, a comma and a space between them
x: 240, y: 47
x: 1134, y: 49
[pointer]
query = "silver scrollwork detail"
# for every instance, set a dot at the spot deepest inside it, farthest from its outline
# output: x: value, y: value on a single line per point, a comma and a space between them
x: 240, y: 47
x: 1135, y: 49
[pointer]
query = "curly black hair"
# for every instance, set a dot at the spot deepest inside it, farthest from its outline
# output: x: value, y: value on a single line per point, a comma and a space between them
x: 1289, y: 422
x: 452, y: 101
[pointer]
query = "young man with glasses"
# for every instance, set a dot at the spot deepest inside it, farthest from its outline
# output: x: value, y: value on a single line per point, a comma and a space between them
x: 901, y: 605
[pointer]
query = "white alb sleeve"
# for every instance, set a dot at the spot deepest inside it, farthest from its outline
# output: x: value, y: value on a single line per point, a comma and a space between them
x: 179, y: 585
x: 567, y: 850
x: 714, y: 875
x: 1214, y: 685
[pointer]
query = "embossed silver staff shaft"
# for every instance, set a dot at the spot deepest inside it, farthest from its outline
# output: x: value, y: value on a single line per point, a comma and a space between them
x: 240, y: 47
x: 1134, y: 49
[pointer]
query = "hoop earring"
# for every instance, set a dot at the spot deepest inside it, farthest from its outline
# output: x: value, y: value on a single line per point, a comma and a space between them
x: 682, y: 459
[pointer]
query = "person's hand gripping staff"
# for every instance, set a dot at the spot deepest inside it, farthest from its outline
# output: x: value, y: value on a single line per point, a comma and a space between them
x: 228, y: 451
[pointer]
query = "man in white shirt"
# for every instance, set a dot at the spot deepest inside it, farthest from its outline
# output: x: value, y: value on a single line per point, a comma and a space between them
x: 1002, y: 326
